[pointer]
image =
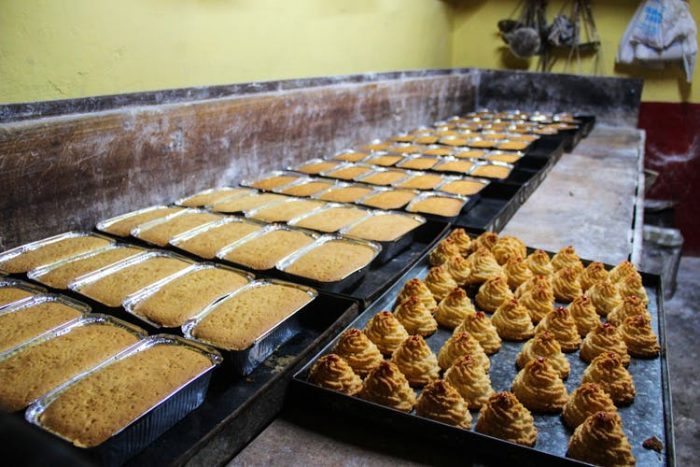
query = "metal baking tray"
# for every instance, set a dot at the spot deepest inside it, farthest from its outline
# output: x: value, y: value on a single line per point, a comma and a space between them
x: 18, y: 284
x: 155, y: 421
x: 467, y: 203
x: 243, y: 362
x: 495, y: 163
x: 333, y: 286
x: 132, y: 301
x: 235, y: 193
x: 315, y: 160
x: 445, y: 160
x: 295, y: 221
x: 450, y: 179
x: 410, y: 174
x: 408, y: 159
x: 81, y: 307
x: 102, y: 226
x: 650, y: 414
x: 14, y: 252
x: 300, y: 181
x: 249, y: 182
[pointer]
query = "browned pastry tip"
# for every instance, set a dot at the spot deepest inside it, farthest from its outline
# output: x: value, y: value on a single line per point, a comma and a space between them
x: 482, y: 329
x: 600, y: 440
x: 443, y: 252
x: 539, y: 387
x: 440, y: 401
x: 594, y: 272
x: 416, y: 361
x: 586, y: 400
x: 560, y: 323
x: 639, y: 337
x: 512, y: 321
x: 361, y: 353
x: 386, y: 385
x: 539, y: 263
x: 386, y: 332
x: 440, y: 282
x: 462, y: 240
x: 415, y: 317
x: 417, y: 288
x: 492, y: 293
x: 605, y: 337
x: 608, y: 371
x: 453, y: 309
x: 545, y: 345
x: 504, y: 417
x: 332, y: 372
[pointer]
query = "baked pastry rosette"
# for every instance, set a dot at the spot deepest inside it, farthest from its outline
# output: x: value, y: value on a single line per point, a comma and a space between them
x: 386, y: 385
x: 604, y: 296
x: 539, y: 263
x: 600, y: 440
x: 560, y: 323
x: 504, y: 417
x: 461, y: 240
x: 630, y: 306
x: 517, y: 272
x: 639, y: 337
x: 459, y: 344
x: 468, y: 376
x: 458, y: 268
x: 483, y: 267
x: 444, y: 250
x: 544, y: 345
x: 508, y: 247
x: 608, y: 371
x: 482, y: 329
x: 486, y: 240
x: 586, y: 400
x: 512, y: 321
x: 452, y: 309
x: 567, y: 258
x: 604, y: 338
x: 361, y: 353
x: 538, y: 301
x: 631, y: 286
x: 416, y: 361
x: 386, y: 332
x: 332, y: 372
x: 538, y: 280
x: 440, y: 401
x: 565, y: 285
x: 417, y: 288
x: 584, y: 314
x: 622, y: 270
x: 594, y: 272
x: 492, y: 293
x: 539, y: 387
x: 440, y: 282
x: 415, y: 317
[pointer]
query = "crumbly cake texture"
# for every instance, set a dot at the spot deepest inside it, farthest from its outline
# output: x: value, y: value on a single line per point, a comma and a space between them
x: 392, y: 199
x: 184, y: 297
x: 237, y: 322
x: 461, y: 166
x: 346, y: 194
x: 332, y: 372
x: 438, y: 152
x: 505, y: 157
x: 440, y: 401
x: 463, y: 187
x: 61, y: 276
x: 438, y: 205
x: 307, y: 189
x: 161, y: 233
x: 206, y: 199
x: 284, y: 212
x: 332, y: 261
x: 52, y: 252
x: 513, y: 145
x: 419, y: 163
x: 384, y: 227
x: 12, y: 294
x: 35, y: 370
x: 332, y: 220
x: 470, y: 154
x: 385, y: 161
x: 491, y: 171
x: 422, y: 182
x: 265, y: 251
x: 123, y: 227
x: 317, y: 167
x: 350, y: 156
x: 274, y: 182
x: 96, y: 407
x: 20, y: 326
x: 245, y: 203
x: 348, y: 173
x: 384, y: 177
x: 112, y: 289
x: 208, y: 243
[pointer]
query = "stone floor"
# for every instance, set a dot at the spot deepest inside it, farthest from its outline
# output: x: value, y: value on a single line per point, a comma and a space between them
x: 683, y: 336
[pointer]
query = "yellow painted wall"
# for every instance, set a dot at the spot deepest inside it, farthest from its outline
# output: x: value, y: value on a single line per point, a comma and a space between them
x: 476, y: 43
x: 57, y: 49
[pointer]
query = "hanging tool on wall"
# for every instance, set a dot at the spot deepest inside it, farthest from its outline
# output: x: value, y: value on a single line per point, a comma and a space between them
x: 526, y: 28
x: 575, y: 33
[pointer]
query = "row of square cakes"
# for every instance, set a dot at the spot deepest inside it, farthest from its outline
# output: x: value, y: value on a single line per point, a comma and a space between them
x: 394, y: 354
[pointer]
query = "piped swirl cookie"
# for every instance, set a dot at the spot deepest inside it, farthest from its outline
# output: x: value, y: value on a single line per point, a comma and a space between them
x: 539, y: 387
x: 444, y: 250
x: 459, y: 344
x: 492, y: 293
x: 565, y: 284
x: 453, y: 309
x: 604, y: 338
x: 594, y: 272
x: 630, y: 306
x: 416, y: 361
x: 586, y: 400
x: 539, y: 301
x: 562, y: 325
x: 512, y: 321
x: 567, y: 258
x: 584, y: 314
x: 547, y: 346
x: 486, y: 240
x: 483, y: 267
x: 417, y: 288
x: 504, y: 417
x: 482, y: 329
x: 604, y: 296
x: 538, y: 280
x: 622, y: 270
x: 386, y: 332
x: 639, y: 337
x: 468, y: 376
x: 507, y: 247
x: 631, y: 286
x: 608, y: 371
x: 539, y: 263
x: 461, y: 240
x: 332, y: 372
x: 600, y: 440
x: 440, y: 282
x: 440, y: 401
x: 415, y: 317
x: 361, y: 353
x: 458, y: 268
x: 517, y: 272
x: 386, y: 385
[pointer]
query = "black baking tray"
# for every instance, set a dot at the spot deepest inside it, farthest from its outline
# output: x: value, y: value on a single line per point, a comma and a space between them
x: 650, y: 414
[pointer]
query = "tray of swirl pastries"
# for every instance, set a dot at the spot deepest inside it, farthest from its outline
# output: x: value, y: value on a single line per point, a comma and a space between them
x: 533, y: 356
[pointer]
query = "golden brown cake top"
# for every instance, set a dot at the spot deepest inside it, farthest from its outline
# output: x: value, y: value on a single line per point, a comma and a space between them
x: 211, y: 241
x: 9, y: 294
x: 52, y: 252
x: 123, y: 228
x: 28, y: 322
x: 265, y: 251
x: 285, y: 211
x: 332, y: 261
x: 390, y: 199
x: 384, y: 228
x: 162, y: 232
x: 244, y: 203
x: 209, y: 197
x: 274, y: 181
x: 307, y: 189
x: 438, y: 205
x: 331, y: 219
x: 346, y: 194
